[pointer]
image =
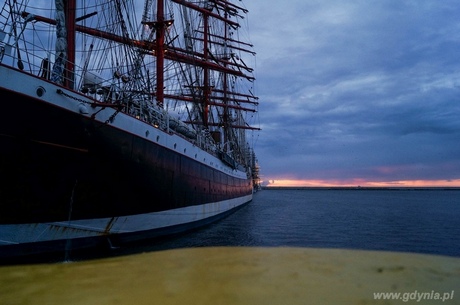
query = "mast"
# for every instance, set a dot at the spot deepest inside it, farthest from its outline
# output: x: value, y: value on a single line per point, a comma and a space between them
x: 63, y: 69
x: 225, y: 89
x: 206, y: 88
x: 160, y: 38
x: 61, y: 43
x: 69, y: 72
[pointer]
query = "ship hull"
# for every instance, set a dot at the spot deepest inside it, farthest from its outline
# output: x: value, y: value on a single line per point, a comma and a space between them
x: 69, y: 172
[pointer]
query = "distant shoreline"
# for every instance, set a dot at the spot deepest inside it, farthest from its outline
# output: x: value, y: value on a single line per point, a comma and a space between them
x: 367, y: 188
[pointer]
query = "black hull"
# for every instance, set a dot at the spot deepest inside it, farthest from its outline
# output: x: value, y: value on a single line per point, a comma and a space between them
x: 51, y: 158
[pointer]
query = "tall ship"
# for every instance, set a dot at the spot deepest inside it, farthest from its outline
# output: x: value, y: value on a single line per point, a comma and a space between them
x: 122, y: 120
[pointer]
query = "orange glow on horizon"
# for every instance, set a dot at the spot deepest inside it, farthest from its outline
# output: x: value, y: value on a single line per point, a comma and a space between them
x: 360, y: 182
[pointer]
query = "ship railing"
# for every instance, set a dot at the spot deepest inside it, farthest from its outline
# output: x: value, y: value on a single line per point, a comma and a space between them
x: 34, y: 59
x: 160, y: 118
x: 26, y: 61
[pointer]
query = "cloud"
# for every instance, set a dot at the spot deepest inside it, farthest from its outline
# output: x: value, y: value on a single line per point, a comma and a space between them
x: 368, y: 89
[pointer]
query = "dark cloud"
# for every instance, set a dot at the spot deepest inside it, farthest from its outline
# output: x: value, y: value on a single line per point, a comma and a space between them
x: 369, y: 89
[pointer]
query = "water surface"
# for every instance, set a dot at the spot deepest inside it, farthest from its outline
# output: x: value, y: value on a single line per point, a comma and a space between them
x: 407, y: 220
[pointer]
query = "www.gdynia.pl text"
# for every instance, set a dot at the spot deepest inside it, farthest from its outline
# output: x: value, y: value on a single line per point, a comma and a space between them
x: 414, y: 296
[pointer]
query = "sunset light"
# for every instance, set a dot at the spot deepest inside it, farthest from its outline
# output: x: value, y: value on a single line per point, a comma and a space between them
x: 360, y: 183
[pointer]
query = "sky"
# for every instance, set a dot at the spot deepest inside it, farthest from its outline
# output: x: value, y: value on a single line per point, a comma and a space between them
x: 362, y: 92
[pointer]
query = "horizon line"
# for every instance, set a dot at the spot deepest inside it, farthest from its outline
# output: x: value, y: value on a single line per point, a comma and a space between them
x: 265, y: 187
x: 452, y: 183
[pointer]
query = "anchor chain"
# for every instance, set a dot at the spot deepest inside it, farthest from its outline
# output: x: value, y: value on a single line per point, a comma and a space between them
x: 112, y: 117
x: 59, y: 91
x: 93, y: 104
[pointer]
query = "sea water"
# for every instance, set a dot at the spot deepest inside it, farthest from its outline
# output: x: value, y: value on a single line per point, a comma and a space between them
x: 391, y: 220
x: 403, y: 220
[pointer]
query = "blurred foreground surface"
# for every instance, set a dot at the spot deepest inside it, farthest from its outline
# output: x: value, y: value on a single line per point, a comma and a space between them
x: 232, y: 275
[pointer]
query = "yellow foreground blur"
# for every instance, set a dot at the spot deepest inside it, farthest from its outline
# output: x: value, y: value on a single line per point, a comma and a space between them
x: 235, y: 276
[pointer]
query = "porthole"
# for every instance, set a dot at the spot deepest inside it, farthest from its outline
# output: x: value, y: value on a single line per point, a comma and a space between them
x: 40, y: 91
x: 158, y: 138
x: 175, y: 145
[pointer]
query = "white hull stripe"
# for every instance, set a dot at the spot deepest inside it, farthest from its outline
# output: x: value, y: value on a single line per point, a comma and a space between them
x: 38, y: 232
